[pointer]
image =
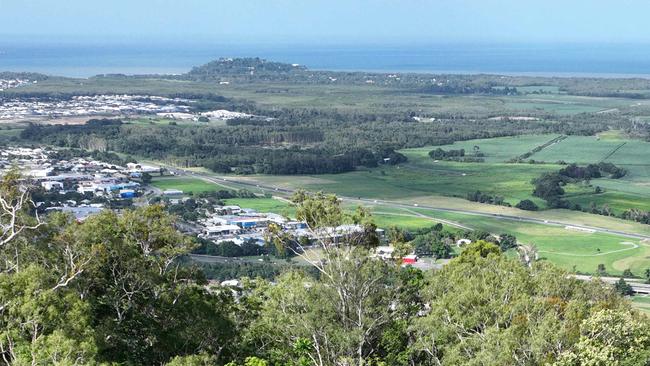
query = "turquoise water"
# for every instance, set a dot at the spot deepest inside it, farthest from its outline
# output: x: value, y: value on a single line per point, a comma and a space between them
x: 83, y: 60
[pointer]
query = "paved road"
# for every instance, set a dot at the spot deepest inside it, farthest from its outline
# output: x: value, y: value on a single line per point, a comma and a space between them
x: 637, y: 285
x: 394, y: 204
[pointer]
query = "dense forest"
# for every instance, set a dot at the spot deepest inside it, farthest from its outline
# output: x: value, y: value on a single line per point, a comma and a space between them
x: 118, y: 289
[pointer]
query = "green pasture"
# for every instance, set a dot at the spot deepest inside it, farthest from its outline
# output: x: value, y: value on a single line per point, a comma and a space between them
x: 263, y: 205
x: 641, y: 303
x: 187, y: 185
x: 578, y: 149
x: 496, y: 150
x: 512, y: 181
x: 569, y: 249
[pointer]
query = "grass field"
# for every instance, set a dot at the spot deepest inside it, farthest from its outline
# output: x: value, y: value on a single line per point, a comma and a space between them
x: 579, y: 149
x: 187, y: 185
x: 569, y: 249
x: 496, y: 150
x: 512, y: 181
x: 422, y: 176
x: 642, y: 303
x: 631, y: 191
x: 263, y: 205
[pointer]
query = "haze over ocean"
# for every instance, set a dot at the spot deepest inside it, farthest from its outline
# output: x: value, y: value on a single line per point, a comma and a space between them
x: 558, y: 59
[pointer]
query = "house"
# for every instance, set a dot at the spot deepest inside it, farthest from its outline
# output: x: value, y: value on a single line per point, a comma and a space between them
x: 86, y: 188
x: 52, y: 185
x: 384, y: 252
x: 410, y: 259
x: 127, y: 193
x: 41, y: 172
x: 231, y: 210
x: 231, y: 283
x: 80, y: 213
x: 172, y: 192
x: 222, y: 230
x: 461, y: 242
x: 248, y: 222
x: 141, y: 168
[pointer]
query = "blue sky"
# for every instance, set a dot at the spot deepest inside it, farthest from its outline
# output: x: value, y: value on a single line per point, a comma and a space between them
x: 329, y: 21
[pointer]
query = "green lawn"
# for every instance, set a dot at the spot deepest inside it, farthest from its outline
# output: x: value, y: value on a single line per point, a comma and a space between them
x: 512, y: 181
x: 631, y: 191
x: 496, y: 150
x: 642, y: 303
x: 618, y: 201
x: 187, y: 185
x: 386, y: 218
x: 263, y: 205
x: 569, y: 249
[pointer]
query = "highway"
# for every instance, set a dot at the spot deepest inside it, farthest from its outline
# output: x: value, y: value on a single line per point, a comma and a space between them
x: 637, y: 285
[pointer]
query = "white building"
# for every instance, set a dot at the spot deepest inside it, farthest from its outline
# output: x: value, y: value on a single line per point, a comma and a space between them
x: 222, y: 230
x: 52, y: 186
x: 172, y: 192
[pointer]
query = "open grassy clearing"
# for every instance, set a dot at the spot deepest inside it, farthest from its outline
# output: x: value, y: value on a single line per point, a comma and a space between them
x: 642, y: 303
x: 621, y: 194
x: 631, y: 191
x: 569, y: 249
x: 578, y: 149
x: 610, y: 147
x: 187, y: 185
x: 566, y: 216
x: 409, y: 222
x: 263, y: 205
x: 616, y: 200
x: 423, y: 176
x: 496, y: 150
x: 512, y: 181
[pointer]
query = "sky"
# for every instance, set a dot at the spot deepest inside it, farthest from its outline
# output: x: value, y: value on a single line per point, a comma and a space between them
x: 327, y: 21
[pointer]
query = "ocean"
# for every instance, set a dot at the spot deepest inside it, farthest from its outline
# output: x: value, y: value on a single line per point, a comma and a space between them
x: 86, y: 59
